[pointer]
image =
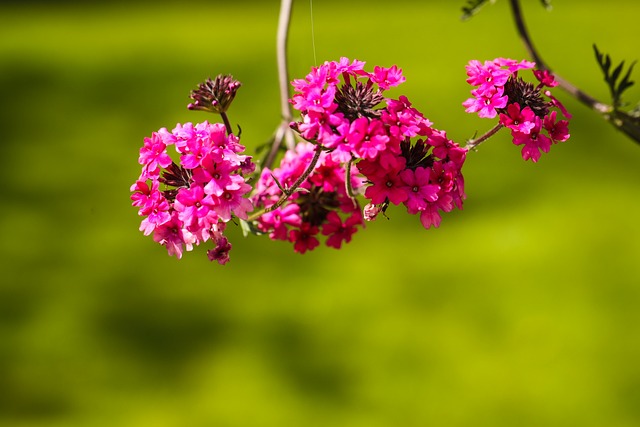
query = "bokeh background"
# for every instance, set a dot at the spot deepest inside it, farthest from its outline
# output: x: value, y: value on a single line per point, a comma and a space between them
x: 522, y: 309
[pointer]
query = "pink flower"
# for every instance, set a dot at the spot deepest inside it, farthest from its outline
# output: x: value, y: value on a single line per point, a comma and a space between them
x: 173, y: 237
x: 403, y: 120
x: 339, y: 231
x: 521, y: 121
x: 486, y: 76
x: 279, y: 220
x: 485, y: 103
x: 528, y: 106
x: 533, y: 142
x: 304, y: 238
x: 558, y: 131
x: 367, y: 138
x: 430, y: 216
x: 153, y: 156
x: 514, y: 65
x: 386, y: 184
x: 316, y: 99
x: 418, y: 188
x: 556, y: 103
x: 221, y: 252
x: 387, y: 77
x: 232, y: 200
x: 190, y: 205
x: 545, y: 77
x: 157, y: 212
x: 144, y: 196
x: 305, y: 213
x: 202, y: 193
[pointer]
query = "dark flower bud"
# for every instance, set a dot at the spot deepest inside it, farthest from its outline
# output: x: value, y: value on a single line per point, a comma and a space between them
x: 215, y: 95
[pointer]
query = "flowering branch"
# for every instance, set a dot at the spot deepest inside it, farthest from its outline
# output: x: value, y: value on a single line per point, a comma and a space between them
x: 354, y: 141
x: 623, y: 121
x: 287, y: 192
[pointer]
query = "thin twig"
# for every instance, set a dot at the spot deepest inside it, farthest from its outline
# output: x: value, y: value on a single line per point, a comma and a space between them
x: 287, y: 192
x: 473, y: 143
x: 284, y: 132
x: 581, y: 96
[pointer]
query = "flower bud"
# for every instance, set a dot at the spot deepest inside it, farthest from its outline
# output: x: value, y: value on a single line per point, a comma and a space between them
x: 215, y: 95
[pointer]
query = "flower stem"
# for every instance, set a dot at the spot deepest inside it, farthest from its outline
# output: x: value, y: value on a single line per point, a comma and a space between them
x: 284, y: 132
x: 473, y: 143
x: 227, y: 123
x: 347, y: 182
x: 286, y: 193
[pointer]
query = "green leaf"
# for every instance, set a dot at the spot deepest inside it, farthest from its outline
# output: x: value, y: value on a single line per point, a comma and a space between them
x: 249, y: 228
x: 473, y: 7
x: 546, y: 4
x: 616, y: 73
x: 626, y: 83
x: 615, y: 87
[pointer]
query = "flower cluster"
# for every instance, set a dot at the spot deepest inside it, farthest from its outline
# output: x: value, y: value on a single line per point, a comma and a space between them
x: 521, y: 105
x: 201, y: 193
x: 357, y: 142
x: 403, y: 158
x: 321, y: 205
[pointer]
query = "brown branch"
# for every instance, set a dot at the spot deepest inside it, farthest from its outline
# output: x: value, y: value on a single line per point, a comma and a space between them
x: 284, y: 132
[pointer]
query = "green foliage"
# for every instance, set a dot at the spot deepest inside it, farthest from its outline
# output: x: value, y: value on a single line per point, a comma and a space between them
x: 628, y: 122
x: 611, y: 77
x: 473, y: 7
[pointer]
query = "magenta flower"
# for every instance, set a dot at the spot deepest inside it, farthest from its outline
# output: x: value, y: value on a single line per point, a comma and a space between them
x: 143, y: 195
x: 387, y: 77
x: 520, y: 121
x: 386, y: 185
x: 344, y: 113
x: 276, y: 222
x: 486, y: 102
x: 156, y: 213
x: 221, y: 252
x: 430, y: 216
x: 304, y: 238
x: 558, y: 131
x: 533, y: 142
x: 545, y: 77
x: 339, y: 231
x: 232, y: 200
x: 190, y: 205
x: 418, y: 189
x: 172, y: 236
x: 202, y: 193
x: 312, y: 212
x: 529, y: 107
x: 486, y: 76
x: 153, y: 156
x: 403, y: 120
x: 367, y: 138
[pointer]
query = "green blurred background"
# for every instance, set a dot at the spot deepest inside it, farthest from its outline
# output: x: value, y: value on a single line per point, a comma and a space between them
x: 521, y: 310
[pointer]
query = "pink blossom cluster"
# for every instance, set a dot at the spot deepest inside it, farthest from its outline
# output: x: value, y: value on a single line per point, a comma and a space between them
x: 404, y: 160
x: 200, y: 194
x: 520, y: 105
x: 320, y: 207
